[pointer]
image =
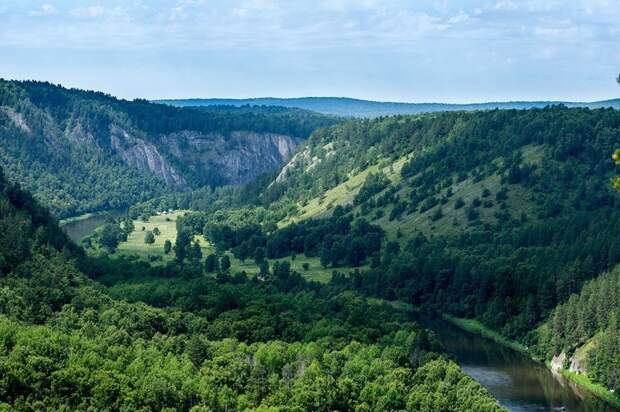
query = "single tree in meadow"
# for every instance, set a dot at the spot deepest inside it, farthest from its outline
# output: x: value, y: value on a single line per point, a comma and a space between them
x: 211, y: 264
x: 156, y: 231
x: 182, y: 244
x: 149, y: 238
x: 196, y: 252
x: 167, y: 246
x: 109, y: 236
x: 225, y: 263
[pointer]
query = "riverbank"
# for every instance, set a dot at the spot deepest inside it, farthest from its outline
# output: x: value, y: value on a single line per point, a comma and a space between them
x: 582, y: 381
x: 82, y: 217
x: 78, y: 227
x: 474, y: 326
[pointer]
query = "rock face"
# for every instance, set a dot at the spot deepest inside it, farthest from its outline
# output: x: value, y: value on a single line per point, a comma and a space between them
x: 16, y: 117
x: 145, y: 156
x: 182, y: 160
x: 576, y: 364
x: 236, y: 159
x: 558, y: 361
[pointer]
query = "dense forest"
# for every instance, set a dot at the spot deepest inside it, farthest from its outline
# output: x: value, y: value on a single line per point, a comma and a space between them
x: 498, y: 216
x: 78, y: 333
x: 586, y: 328
x: 507, y: 217
x: 535, y: 219
x: 80, y: 151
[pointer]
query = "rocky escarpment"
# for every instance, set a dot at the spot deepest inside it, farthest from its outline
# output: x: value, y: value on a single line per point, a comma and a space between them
x: 144, y: 156
x: 236, y: 158
x: 135, y: 151
x: 577, y: 363
x: 303, y: 160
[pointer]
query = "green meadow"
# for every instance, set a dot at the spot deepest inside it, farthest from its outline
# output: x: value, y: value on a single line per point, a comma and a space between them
x: 135, y: 246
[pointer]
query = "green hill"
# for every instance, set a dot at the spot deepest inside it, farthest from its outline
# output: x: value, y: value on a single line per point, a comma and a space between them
x: 81, y: 151
x: 98, y: 334
x: 498, y: 215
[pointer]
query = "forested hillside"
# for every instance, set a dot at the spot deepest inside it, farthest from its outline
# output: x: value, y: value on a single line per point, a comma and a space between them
x: 497, y: 215
x: 501, y: 216
x: 84, y: 334
x: 81, y: 151
x: 582, y: 334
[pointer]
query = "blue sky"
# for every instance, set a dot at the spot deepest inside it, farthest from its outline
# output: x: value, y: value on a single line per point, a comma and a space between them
x: 448, y: 51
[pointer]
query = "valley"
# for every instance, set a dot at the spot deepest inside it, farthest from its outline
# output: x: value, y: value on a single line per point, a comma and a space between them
x: 511, y: 376
x: 309, y: 265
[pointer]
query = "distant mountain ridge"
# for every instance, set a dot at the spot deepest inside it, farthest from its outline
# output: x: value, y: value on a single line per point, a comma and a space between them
x: 345, y: 106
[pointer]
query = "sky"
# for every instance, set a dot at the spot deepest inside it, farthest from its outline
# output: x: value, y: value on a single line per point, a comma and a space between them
x: 390, y: 50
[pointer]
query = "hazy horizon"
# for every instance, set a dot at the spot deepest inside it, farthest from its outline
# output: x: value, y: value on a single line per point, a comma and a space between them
x: 449, y: 52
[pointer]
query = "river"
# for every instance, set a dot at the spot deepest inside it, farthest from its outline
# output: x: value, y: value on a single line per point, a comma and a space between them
x: 78, y: 229
x: 518, y: 382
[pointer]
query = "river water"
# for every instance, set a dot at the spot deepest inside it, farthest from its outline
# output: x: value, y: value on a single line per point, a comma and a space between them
x: 79, y: 229
x: 518, y: 382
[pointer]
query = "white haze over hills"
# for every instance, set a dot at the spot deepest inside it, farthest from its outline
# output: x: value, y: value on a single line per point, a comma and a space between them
x: 343, y: 106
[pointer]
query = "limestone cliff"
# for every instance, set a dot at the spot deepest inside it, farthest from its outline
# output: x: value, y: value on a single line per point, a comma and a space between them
x: 237, y: 158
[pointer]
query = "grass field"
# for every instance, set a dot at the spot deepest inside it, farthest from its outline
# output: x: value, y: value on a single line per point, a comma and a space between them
x: 135, y: 246
x: 596, y: 389
x: 345, y: 192
x: 453, y: 220
x: 166, y: 224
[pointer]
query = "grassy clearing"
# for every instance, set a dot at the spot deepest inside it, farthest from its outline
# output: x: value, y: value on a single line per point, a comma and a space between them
x: 135, y: 246
x: 345, y: 192
x: 474, y: 326
x: 453, y: 220
x: 315, y: 270
x: 166, y: 224
x: 596, y: 389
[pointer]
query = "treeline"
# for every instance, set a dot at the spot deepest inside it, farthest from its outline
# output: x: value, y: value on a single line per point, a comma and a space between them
x: 337, y: 240
x: 161, y: 118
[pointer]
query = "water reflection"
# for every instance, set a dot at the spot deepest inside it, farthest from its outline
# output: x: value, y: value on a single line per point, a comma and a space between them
x: 79, y: 229
x: 519, y: 383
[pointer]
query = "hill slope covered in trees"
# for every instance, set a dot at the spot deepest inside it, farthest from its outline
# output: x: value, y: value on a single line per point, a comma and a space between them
x: 84, y: 334
x: 81, y: 151
x: 497, y: 215
x: 502, y: 216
